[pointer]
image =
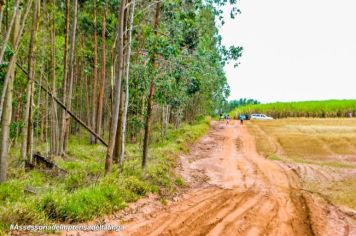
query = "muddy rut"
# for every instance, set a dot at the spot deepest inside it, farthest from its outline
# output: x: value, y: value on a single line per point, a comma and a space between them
x: 242, y: 194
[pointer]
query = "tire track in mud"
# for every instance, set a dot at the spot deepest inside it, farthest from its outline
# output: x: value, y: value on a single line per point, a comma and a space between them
x: 252, y: 195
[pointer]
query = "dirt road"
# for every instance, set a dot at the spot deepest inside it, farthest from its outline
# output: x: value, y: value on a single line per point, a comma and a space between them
x: 235, y: 191
x: 243, y: 194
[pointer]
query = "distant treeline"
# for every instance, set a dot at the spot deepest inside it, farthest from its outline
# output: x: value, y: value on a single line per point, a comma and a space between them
x: 328, y: 108
x: 233, y: 104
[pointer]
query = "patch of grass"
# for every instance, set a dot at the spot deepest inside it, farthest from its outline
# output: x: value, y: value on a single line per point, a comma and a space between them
x: 340, y: 192
x: 138, y: 186
x: 85, y: 193
x: 75, y: 181
x: 11, y: 191
x: 337, y: 144
x: 22, y: 213
x: 343, y: 192
x: 180, y: 182
x: 302, y: 145
x: 86, y: 203
x: 275, y: 158
x: 164, y: 201
x: 334, y: 164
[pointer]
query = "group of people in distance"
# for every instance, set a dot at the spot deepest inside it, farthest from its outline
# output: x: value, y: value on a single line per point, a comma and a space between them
x: 226, y: 117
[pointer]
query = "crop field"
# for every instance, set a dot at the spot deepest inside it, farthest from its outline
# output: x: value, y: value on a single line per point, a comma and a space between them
x: 321, y: 151
x: 321, y: 109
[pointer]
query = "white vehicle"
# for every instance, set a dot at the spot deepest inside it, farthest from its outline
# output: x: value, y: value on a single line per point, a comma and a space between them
x: 260, y: 117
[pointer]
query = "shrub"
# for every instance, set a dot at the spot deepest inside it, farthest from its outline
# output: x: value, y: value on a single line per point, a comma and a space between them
x: 137, y: 186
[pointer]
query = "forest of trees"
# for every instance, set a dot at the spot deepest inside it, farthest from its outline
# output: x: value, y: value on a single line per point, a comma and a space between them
x: 114, y: 69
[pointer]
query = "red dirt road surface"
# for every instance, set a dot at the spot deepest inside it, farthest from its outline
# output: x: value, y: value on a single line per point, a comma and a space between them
x: 235, y: 191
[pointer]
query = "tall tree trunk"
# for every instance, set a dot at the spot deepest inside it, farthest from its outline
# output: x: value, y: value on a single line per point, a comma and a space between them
x: 41, y: 103
x: 142, y: 118
x: 151, y: 92
x: 5, y: 130
x: 70, y: 73
x: 65, y: 79
x: 103, y: 75
x: 117, y: 148
x: 127, y: 71
x: 1, y: 16
x: 87, y: 99
x: 54, y: 147
x: 7, y: 115
x: 117, y: 88
x: 95, y: 78
x: 27, y: 141
x: 12, y: 63
x: 7, y: 36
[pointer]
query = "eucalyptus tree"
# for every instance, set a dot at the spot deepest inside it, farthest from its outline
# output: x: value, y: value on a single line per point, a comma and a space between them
x: 27, y: 138
x: 186, y: 62
x: 7, y: 115
x: 117, y: 88
x: 9, y: 67
x: 62, y: 137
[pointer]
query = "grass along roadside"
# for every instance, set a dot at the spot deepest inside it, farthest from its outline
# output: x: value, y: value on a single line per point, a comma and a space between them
x: 85, y: 193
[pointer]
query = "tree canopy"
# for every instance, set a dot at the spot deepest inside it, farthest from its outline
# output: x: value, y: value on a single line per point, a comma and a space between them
x: 123, y: 68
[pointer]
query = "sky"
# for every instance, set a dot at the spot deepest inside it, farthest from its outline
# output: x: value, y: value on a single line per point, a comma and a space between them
x: 294, y: 50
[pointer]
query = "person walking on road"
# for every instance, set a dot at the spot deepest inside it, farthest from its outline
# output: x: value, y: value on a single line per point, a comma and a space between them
x: 227, y: 119
x: 242, y: 117
x: 221, y: 117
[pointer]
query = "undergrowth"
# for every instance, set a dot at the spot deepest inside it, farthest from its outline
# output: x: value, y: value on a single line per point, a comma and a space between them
x: 85, y: 193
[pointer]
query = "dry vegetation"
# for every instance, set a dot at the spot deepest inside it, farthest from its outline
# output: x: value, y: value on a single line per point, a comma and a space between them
x: 322, y: 151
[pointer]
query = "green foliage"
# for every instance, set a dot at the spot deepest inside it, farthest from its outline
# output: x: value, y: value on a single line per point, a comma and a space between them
x: 233, y: 104
x: 84, y: 193
x: 137, y: 186
x: 10, y: 191
x: 14, y: 127
x: 75, y: 181
x: 88, y: 202
x: 22, y: 213
x: 180, y: 182
x: 190, y: 74
x: 329, y: 108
